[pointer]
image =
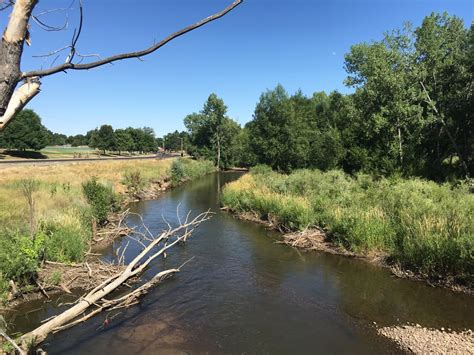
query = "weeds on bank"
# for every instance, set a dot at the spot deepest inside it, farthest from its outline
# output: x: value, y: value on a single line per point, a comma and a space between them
x: 48, y: 215
x: 186, y: 169
x: 420, y: 225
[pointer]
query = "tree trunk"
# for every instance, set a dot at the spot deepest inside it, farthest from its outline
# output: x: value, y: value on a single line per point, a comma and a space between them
x: 96, y: 296
x: 400, y: 149
x: 218, y: 152
x: 11, y: 50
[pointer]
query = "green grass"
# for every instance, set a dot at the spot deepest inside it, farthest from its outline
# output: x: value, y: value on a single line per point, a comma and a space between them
x: 66, y: 198
x: 184, y: 169
x: 66, y: 150
x: 420, y: 225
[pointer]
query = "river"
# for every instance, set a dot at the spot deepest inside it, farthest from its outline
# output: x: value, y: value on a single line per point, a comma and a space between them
x: 244, y: 293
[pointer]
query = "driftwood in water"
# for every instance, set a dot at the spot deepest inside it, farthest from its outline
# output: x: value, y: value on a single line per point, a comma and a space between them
x: 94, y: 301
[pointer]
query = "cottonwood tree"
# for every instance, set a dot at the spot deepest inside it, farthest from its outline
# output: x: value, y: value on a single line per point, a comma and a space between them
x: 414, y: 94
x: 17, y: 88
x: 212, y: 133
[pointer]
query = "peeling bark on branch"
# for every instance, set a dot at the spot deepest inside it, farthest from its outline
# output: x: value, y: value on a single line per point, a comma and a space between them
x: 19, y: 99
x: 11, y: 50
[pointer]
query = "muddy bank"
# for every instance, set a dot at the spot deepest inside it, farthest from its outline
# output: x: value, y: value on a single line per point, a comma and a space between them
x: 317, y: 239
x: 419, y: 340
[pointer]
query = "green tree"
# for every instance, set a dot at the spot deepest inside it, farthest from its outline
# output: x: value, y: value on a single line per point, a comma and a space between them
x: 413, y: 98
x: 242, y: 152
x: 279, y: 133
x: 148, y: 140
x: 214, y: 111
x: 56, y: 138
x: 444, y: 70
x: 173, y: 141
x: 212, y: 133
x: 144, y: 139
x: 25, y: 132
x: 77, y: 140
x: 123, y: 140
x: 103, y: 138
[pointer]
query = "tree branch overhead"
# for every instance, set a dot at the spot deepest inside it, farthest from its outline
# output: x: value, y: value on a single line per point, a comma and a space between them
x: 13, y: 97
x: 137, y: 54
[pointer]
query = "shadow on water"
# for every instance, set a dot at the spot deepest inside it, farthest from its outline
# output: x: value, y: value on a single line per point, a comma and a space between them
x: 243, y: 292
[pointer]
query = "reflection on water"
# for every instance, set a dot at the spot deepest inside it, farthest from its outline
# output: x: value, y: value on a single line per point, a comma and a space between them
x: 244, y: 293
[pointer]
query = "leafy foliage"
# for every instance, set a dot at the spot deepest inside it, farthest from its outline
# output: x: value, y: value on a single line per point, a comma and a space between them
x: 101, y: 198
x: 25, y: 132
x: 185, y: 169
x: 174, y: 140
x: 212, y: 133
x: 411, y: 112
x: 103, y: 138
x: 123, y: 140
x: 19, y: 255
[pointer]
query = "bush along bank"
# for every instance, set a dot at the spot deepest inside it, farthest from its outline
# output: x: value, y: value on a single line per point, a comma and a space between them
x: 53, y: 219
x: 419, y: 228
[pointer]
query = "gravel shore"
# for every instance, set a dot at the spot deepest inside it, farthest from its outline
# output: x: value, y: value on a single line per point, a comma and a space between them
x: 419, y: 340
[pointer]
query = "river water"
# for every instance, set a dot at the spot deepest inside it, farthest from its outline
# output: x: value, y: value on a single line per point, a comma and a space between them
x: 244, y: 293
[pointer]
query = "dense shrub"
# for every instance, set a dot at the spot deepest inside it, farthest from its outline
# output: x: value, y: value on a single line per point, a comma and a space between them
x: 101, y: 198
x: 19, y: 255
x: 183, y: 169
x: 66, y: 238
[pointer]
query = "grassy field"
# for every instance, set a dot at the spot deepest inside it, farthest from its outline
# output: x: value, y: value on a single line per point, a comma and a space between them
x: 56, y: 152
x: 418, y: 225
x: 53, y: 152
x: 46, y: 211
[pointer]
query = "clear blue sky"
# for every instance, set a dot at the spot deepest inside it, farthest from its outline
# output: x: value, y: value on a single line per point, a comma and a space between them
x: 298, y: 43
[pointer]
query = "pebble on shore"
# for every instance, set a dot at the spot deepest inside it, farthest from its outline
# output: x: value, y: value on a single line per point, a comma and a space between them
x: 420, y: 340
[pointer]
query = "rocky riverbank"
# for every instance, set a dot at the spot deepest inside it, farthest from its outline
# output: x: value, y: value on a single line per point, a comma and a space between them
x: 418, y: 340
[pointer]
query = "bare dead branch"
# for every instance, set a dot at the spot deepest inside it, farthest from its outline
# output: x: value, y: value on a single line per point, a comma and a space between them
x: 50, y: 28
x: 13, y: 343
x: 6, y: 4
x: 57, y: 9
x: 96, y: 297
x: 68, y: 65
x: 76, y: 34
x: 56, y: 51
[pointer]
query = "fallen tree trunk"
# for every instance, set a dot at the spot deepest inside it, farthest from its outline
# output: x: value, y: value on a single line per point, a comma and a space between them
x: 95, y: 298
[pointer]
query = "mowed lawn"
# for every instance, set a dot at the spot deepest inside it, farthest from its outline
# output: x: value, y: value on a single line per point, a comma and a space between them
x: 57, y: 152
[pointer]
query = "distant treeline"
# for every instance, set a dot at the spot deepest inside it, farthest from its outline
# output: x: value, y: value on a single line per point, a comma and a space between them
x: 411, y: 112
x: 27, y: 132
x: 106, y: 138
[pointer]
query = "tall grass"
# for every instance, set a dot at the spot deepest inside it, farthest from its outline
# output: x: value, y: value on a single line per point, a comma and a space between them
x: 184, y: 169
x: 65, y: 199
x: 420, y: 225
